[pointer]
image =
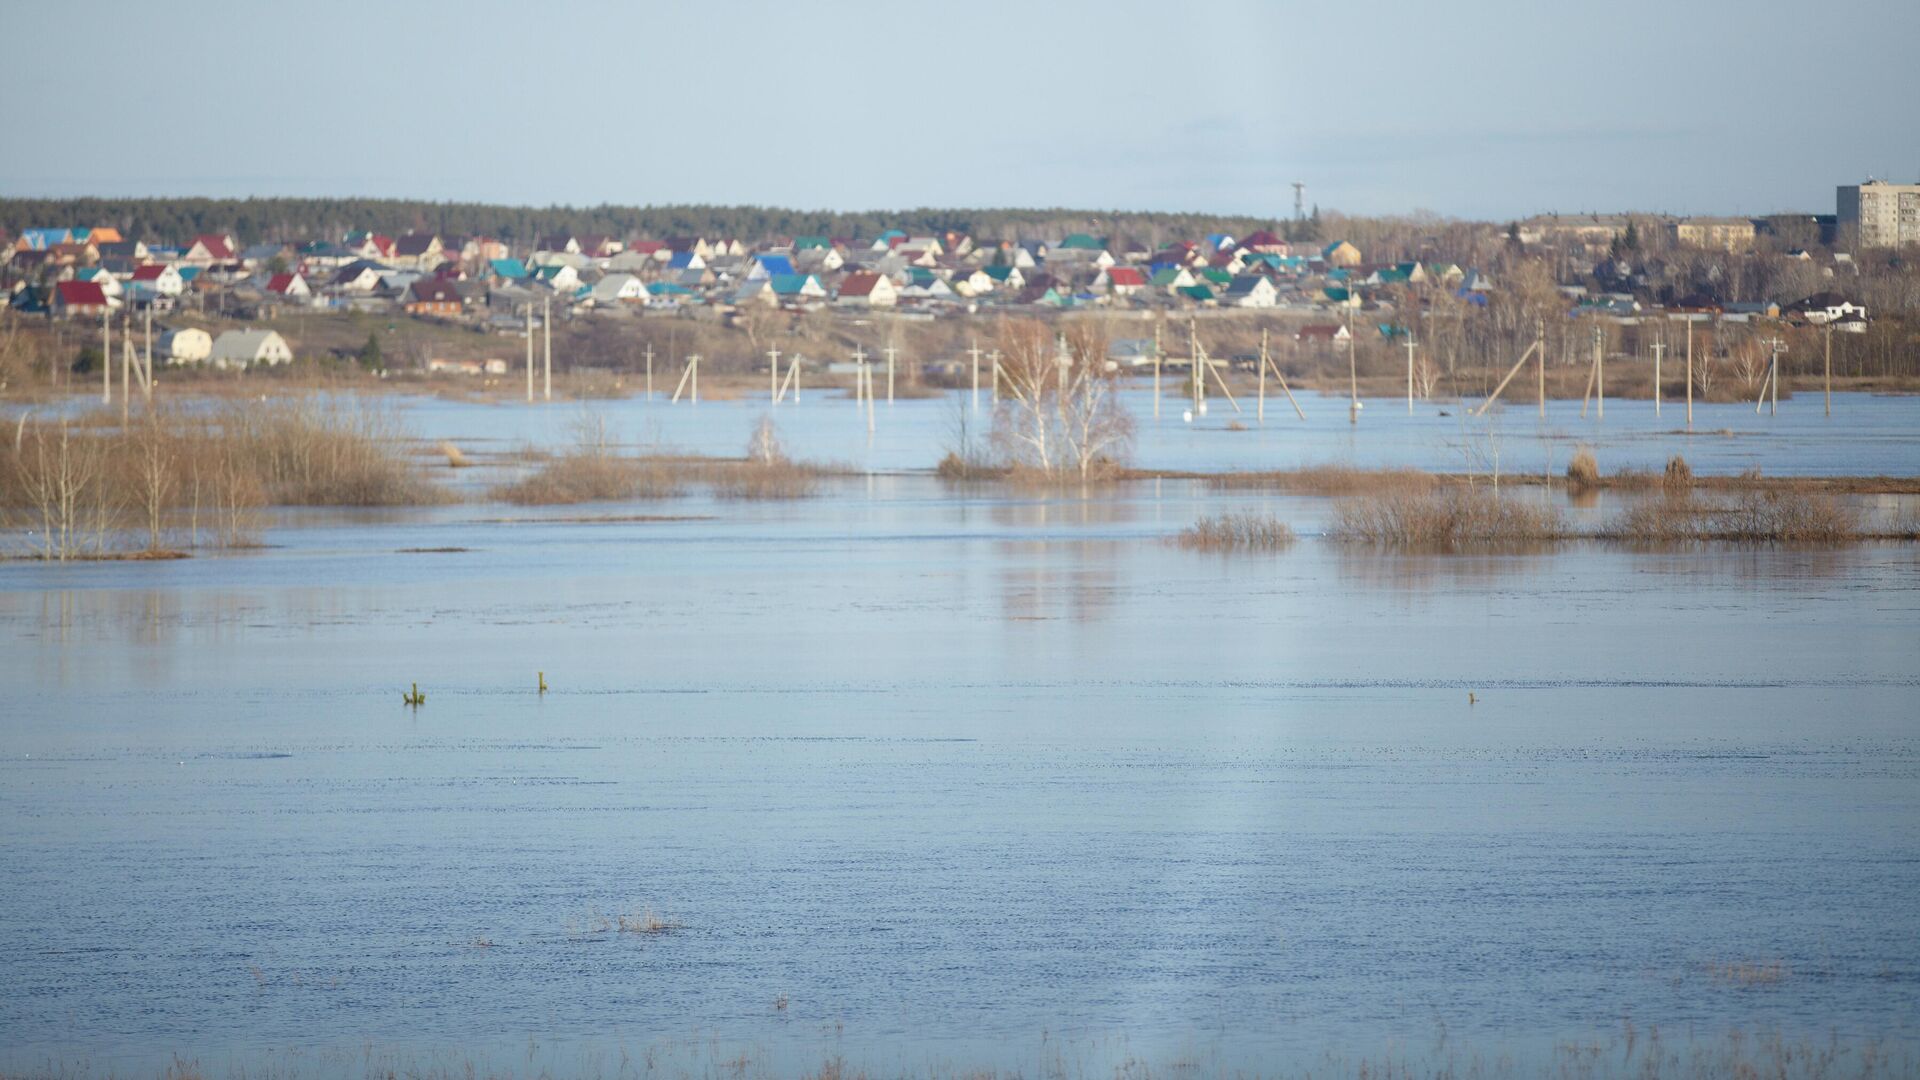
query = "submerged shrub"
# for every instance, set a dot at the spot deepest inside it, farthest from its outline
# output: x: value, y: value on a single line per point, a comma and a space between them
x: 1445, y: 520
x: 1236, y: 531
x: 1583, y: 471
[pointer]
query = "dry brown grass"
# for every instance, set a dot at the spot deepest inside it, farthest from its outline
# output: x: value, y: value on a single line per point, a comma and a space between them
x: 587, y: 476
x: 1326, y: 480
x: 1236, y: 531
x: 1754, y: 516
x: 1445, y: 520
x: 93, y: 486
x: 1583, y: 471
x: 309, y: 452
x: 1678, y: 473
x: 756, y: 479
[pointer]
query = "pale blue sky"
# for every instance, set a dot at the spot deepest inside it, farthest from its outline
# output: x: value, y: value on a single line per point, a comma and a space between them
x: 1469, y: 109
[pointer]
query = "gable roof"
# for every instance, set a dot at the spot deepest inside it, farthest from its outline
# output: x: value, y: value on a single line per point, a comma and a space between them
x: 860, y: 283
x: 82, y: 293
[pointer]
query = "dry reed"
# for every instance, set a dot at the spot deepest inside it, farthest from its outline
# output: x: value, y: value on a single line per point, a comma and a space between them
x: 1749, y: 517
x: 1236, y: 531
x: 1445, y: 520
x: 1583, y: 471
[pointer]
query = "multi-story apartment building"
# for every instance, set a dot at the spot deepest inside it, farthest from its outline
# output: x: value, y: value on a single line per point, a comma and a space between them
x: 1877, y: 214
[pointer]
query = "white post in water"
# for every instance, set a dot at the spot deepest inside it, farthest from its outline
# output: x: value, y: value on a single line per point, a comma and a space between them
x: 1775, y: 346
x: 1409, y: 373
x: 649, y: 371
x: 868, y: 368
x: 529, y: 352
x: 694, y: 365
x: 106, y: 355
x: 993, y: 359
x: 1156, y: 371
x: 1658, y: 347
x: 1689, y: 373
x: 859, y: 382
x: 1263, y: 377
x: 1829, y: 368
x: 890, y: 351
x: 546, y: 331
x: 1353, y: 367
x: 974, y: 352
x: 1600, y: 370
x: 773, y: 376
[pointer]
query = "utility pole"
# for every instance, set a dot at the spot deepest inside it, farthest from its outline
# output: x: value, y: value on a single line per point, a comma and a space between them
x: 106, y: 354
x: 993, y: 360
x: 974, y: 351
x: 890, y: 351
x: 546, y: 331
x: 126, y: 369
x: 1158, y: 355
x: 529, y: 352
x: 1829, y: 369
x: 1410, y: 344
x: 773, y: 376
x: 1775, y: 346
x: 1689, y: 373
x: 1353, y: 369
x: 859, y: 379
x: 1600, y: 368
x: 1658, y: 347
x: 649, y: 371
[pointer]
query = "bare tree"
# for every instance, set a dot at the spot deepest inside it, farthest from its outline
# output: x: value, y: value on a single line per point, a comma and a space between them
x: 1061, y: 414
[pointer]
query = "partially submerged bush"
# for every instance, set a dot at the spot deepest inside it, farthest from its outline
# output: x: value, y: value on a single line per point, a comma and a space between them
x: 1752, y: 516
x: 316, y: 453
x: 1447, y: 519
x: 1236, y: 531
x: 1679, y: 474
x: 767, y: 472
x: 1583, y: 471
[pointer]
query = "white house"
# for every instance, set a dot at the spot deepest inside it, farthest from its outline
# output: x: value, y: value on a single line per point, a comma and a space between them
x: 162, y: 278
x: 617, y: 287
x: 1252, y: 291
x: 244, y: 348
x: 868, y: 289
x: 187, y: 345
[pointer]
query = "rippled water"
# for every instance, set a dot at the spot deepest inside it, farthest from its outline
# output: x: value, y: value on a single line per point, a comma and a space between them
x: 961, y: 777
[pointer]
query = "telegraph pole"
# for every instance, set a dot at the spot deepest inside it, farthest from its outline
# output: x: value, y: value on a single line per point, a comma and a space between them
x: 106, y: 352
x: 1658, y: 347
x: 546, y: 330
x: 773, y: 376
x: 890, y: 351
x: 1410, y: 373
x: 649, y: 371
x: 529, y: 352
x: 1829, y: 368
x: 974, y: 351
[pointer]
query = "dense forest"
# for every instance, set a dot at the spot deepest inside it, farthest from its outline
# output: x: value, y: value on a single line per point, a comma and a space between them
x: 255, y: 220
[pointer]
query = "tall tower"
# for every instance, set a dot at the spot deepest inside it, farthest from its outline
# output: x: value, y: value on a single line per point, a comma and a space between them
x: 1299, y: 200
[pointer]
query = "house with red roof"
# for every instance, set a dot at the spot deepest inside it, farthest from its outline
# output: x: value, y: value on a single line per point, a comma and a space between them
x: 1322, y: 334
x: 1121, y: 280
x: 865, y: 288
x: 1266, y: 243
x: 290, y: 286
x: 209, y: 249
x: 77, y: 299
x: 163, y: 278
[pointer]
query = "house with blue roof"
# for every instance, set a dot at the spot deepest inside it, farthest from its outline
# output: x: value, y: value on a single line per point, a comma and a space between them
x: 791, y: 286
x: 770, y: 266
x: 507, y: 269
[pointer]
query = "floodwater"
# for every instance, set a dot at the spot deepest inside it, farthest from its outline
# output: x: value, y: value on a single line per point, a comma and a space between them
x: 1866, y: 435
x: 932, y: 779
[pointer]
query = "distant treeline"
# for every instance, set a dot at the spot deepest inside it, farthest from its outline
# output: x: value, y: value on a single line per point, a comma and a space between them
x: 256, y: 220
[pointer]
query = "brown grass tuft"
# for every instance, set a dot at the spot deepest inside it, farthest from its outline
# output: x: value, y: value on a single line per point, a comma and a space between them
x: 1236, y: 531
x: 1785, y: 516
x: 1679, y: 474
x: 1446, y: 520
x: 1583, y: 471
x: 646, y: 923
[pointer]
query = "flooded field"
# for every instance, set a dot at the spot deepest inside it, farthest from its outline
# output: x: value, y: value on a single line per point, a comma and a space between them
x: 926, y: 779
